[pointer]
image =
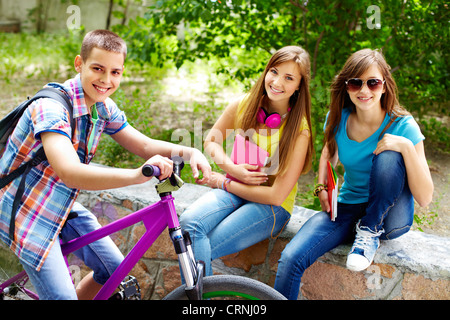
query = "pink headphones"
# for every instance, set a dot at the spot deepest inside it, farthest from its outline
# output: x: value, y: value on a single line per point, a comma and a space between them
x: 271, y: 120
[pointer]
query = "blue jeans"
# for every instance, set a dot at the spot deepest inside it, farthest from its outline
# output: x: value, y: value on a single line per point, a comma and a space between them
x: 221, y: 223
x: 53, y: 281
x: 390, y: 208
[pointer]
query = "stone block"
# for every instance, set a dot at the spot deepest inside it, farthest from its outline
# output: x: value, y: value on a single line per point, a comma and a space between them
x: 417, y: 287
x: 245, y: 259
x: 322, y: 281
x: 162, y: 248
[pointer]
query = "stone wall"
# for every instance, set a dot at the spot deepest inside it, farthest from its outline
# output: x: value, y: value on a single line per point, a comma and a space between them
x: 414, y: 267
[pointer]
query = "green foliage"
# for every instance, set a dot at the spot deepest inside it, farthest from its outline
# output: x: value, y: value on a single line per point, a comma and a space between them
x: 437, y: 132
x: 242, y: 34
x: 330, y: 30
x: 140, y: 115
x: 236, y: 38
x: 430, y: 214
x: 24, y: 56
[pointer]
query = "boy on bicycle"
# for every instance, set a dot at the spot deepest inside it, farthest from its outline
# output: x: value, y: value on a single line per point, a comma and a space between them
x: 53, y: 186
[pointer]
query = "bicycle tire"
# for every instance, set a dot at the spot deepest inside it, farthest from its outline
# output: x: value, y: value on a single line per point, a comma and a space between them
x: 230, y: 286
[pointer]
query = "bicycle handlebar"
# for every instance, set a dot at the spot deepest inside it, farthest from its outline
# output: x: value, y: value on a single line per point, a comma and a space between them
x: 153, y: 171
x: 150, y: 170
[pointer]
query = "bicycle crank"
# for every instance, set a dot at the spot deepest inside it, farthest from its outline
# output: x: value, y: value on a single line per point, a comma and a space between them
x: 129, y: 289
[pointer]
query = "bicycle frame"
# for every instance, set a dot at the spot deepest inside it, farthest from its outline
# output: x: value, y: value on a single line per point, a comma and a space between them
x: 156, y: 218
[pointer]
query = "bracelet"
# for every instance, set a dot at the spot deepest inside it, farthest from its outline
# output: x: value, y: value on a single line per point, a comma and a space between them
x: 224, y: 187
x: 318, y: 188
x: 224, y: 184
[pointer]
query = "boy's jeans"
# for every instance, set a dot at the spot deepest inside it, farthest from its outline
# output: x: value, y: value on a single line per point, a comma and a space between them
x: 221, y: 223
x: 53, y: 281
x: 390, y: 207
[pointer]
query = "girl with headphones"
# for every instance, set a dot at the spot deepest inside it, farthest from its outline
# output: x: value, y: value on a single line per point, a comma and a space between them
x: 256, y: 202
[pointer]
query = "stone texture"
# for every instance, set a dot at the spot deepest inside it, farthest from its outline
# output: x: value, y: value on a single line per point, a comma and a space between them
x: 324, y: 281
x: 162, y: 248
x: 275, y: 255
x: 417, y: 287
x: 245, y: 259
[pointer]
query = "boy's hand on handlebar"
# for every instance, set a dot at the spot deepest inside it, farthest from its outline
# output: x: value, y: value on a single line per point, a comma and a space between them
x: 164, y: 164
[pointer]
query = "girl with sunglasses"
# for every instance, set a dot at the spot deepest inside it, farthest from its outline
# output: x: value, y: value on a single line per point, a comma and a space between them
x: 381, y: 148
x: 256, y: 204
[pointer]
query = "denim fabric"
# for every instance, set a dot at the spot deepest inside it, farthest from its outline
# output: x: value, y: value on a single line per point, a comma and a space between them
x: 221, y: 223
x: 53, y: 281
x: 391, y: 204
x: 390, y: 208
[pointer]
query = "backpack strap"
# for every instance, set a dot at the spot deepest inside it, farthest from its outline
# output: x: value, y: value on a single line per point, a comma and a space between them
x: 38, y: 158
x: 24, y: 169
x: 56, y: 94
x: 48, y: 92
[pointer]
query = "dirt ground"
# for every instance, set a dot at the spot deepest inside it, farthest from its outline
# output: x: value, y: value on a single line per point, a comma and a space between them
x: 435, y: 218
x: 439, y: 163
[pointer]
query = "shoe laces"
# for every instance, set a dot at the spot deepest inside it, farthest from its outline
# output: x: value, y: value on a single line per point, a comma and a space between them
x: 365, y: 238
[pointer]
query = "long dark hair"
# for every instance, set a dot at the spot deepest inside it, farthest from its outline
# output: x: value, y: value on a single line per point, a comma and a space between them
x: 355, y: 66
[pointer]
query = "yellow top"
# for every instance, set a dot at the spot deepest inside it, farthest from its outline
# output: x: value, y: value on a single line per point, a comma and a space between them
x: 270, y: 144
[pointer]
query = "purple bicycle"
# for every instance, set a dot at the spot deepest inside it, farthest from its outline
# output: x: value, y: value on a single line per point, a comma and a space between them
x: 155, y: 218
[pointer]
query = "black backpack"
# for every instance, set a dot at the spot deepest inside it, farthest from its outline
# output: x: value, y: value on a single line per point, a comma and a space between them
x: 7, y: 125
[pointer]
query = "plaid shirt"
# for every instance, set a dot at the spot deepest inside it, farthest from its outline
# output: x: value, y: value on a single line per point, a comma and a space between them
x: 47, y: 200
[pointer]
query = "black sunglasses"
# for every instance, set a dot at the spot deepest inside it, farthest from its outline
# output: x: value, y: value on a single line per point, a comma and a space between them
x: 356, y: 84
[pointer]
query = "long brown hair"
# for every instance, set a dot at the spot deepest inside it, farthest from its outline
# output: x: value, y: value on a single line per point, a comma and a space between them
x: 354, y: 67
x: 299, y: 102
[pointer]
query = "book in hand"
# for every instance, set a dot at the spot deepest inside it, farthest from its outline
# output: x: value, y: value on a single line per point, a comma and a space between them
x: 247, y: 152
x: 332, y: 186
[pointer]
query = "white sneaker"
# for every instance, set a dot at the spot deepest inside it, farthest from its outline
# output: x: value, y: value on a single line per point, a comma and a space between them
x: 363, y: 250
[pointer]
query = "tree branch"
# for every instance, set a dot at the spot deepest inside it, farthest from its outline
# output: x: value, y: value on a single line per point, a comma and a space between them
x: 298, y: 5
x: 316, y: 52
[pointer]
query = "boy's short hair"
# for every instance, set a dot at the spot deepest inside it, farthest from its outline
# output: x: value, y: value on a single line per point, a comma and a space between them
x: 102, y: 39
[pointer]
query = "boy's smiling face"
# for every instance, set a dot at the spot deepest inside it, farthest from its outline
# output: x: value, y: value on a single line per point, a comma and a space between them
x: 100, y: 74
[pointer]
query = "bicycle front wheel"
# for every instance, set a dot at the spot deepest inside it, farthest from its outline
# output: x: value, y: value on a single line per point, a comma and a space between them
x: 229, y: 286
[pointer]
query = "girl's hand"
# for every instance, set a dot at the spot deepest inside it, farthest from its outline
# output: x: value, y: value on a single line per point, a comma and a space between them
x: 199, y: 162
x: 393, y: 143
x: 323, y: 198
x: 249, y: 174
x: 216, y: 180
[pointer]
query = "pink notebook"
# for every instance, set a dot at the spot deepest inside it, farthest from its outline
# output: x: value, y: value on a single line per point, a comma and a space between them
x: 246, y: 151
